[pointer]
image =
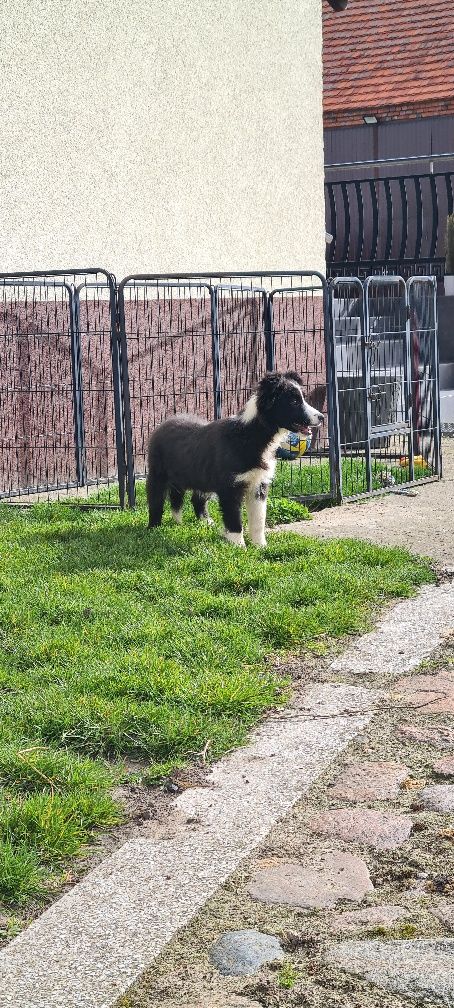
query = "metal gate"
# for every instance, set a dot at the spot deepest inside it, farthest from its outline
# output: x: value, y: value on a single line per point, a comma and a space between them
x: 60, y: 385
x: 201, y: 342
x: 385, y: 350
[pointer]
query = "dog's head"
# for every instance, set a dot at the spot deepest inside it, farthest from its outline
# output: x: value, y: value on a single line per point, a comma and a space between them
x: 281, y: 403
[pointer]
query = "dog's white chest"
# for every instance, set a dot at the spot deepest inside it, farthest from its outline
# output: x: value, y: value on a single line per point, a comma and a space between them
x: 265, y: 472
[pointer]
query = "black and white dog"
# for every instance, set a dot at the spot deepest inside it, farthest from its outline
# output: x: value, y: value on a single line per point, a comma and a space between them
x: 234, y: 459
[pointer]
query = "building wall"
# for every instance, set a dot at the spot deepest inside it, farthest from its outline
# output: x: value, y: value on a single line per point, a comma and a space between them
x: 161, y: 136
x: 399, y: 111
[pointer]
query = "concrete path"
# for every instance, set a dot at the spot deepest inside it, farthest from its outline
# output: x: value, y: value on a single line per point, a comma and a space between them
x: 90, y: 946
x: 424, y: 524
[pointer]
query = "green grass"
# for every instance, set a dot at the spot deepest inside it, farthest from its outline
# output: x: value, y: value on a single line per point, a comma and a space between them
x: 301, y: 479
x: 118, y: 643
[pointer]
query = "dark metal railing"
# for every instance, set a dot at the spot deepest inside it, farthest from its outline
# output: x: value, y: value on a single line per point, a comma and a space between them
x: 393, y: 225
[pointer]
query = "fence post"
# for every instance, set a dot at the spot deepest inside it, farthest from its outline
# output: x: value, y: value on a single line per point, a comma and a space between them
x: 332, y: 397
x: 216, y: 354
x: 117, y: 392
x: 76, y: 370
x: 127, y: 422
x: 269, y: 334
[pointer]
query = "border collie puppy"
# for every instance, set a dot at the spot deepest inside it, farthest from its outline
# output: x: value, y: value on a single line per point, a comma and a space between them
x: 234, y: 459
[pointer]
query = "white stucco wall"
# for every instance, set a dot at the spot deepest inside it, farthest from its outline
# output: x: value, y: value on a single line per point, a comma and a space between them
x: 154, y: 135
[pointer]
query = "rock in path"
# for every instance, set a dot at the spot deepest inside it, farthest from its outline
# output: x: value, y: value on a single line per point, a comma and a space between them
x: 431, y: 694
x: 332, y: 877
x: 369, y: 781
x: 444, y: 912
x: 242, y: 953
x: 437, y: 798
x: 444, y: 766
x: 385, y: 915
x: 420, y: 969
x: 442, y: 736
x: 382, y: 830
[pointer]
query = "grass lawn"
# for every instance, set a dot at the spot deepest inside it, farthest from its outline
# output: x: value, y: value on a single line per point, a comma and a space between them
x: 120, y: 643
x: 302, y: 479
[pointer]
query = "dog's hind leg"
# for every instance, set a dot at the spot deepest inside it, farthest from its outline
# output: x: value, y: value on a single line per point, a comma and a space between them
x: 176, y: 503
x: 199, y: 503
x: 230, y: 504
x: 156, y: 494
x: 256, y: 497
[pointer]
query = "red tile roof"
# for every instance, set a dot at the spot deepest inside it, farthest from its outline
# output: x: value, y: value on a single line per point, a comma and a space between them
x: 387, y: 52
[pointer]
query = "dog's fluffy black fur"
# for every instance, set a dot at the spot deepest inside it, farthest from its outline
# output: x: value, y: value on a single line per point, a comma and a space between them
x: 234, y: 459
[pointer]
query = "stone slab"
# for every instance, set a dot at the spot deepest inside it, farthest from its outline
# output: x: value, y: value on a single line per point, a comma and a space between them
x: 243, y: 953
x: 444, y: 766
x: 370, y: 781
x: 386, y: 915
x: 437, y: 798
x: 421, y: 968
x: 444, y: 912
x: 442, y: 737
x: 430, y: 694
x: 382, y: 830
x: 331, y: 877
x: 408, y: 633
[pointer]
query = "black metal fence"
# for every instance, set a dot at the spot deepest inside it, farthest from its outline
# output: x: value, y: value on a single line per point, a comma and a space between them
x: 89, y: 368
x: 393, y: 225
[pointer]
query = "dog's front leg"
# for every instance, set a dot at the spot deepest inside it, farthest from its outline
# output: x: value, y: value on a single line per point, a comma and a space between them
x: 230, y: 504
x: 256, y: 498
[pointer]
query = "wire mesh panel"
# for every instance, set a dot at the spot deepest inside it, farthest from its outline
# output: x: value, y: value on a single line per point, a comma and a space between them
x: 348, y: 315
x: 387, y: 384
x: 167, y: 356
x: 422, y: 311
x: 240, y: 327
x: 47, y: 431
x: 388, y: 381
x: 100, y: 391
x: 300, y: 342
x: 38, y: 418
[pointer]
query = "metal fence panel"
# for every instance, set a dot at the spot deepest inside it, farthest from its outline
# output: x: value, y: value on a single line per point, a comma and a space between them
x: 166, y: 329
x: 385, y: 340
x: 52, y: 341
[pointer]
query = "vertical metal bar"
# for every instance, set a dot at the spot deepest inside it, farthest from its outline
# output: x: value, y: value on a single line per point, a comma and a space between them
x: 332, y: 395
x: 269, y: 333
x: 389, y: 219
x: 433, y: 193
x: 333, y: 223
x: 347, y: 222
x: 216, y: 354
x: 418, y: 216
x: 127, y: 421
x: 374, y: 243
x: 116, y: 385
x: 359, y: 200
x: 436, y: 384
x: 448, y: 181
x: 76, y: 371
x: 404, y: 204
x: 365, y: 364
x: 407, y: 378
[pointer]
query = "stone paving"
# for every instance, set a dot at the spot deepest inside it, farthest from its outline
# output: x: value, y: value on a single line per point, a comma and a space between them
x: 356, y: 886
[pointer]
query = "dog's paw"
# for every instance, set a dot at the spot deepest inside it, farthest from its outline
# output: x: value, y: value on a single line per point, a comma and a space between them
x: 235, y: 538
x: 207, y: 520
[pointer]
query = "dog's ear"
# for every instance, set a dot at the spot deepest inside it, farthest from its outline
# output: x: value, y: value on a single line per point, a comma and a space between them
x: 293, y: 376
x: 268, y: 391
